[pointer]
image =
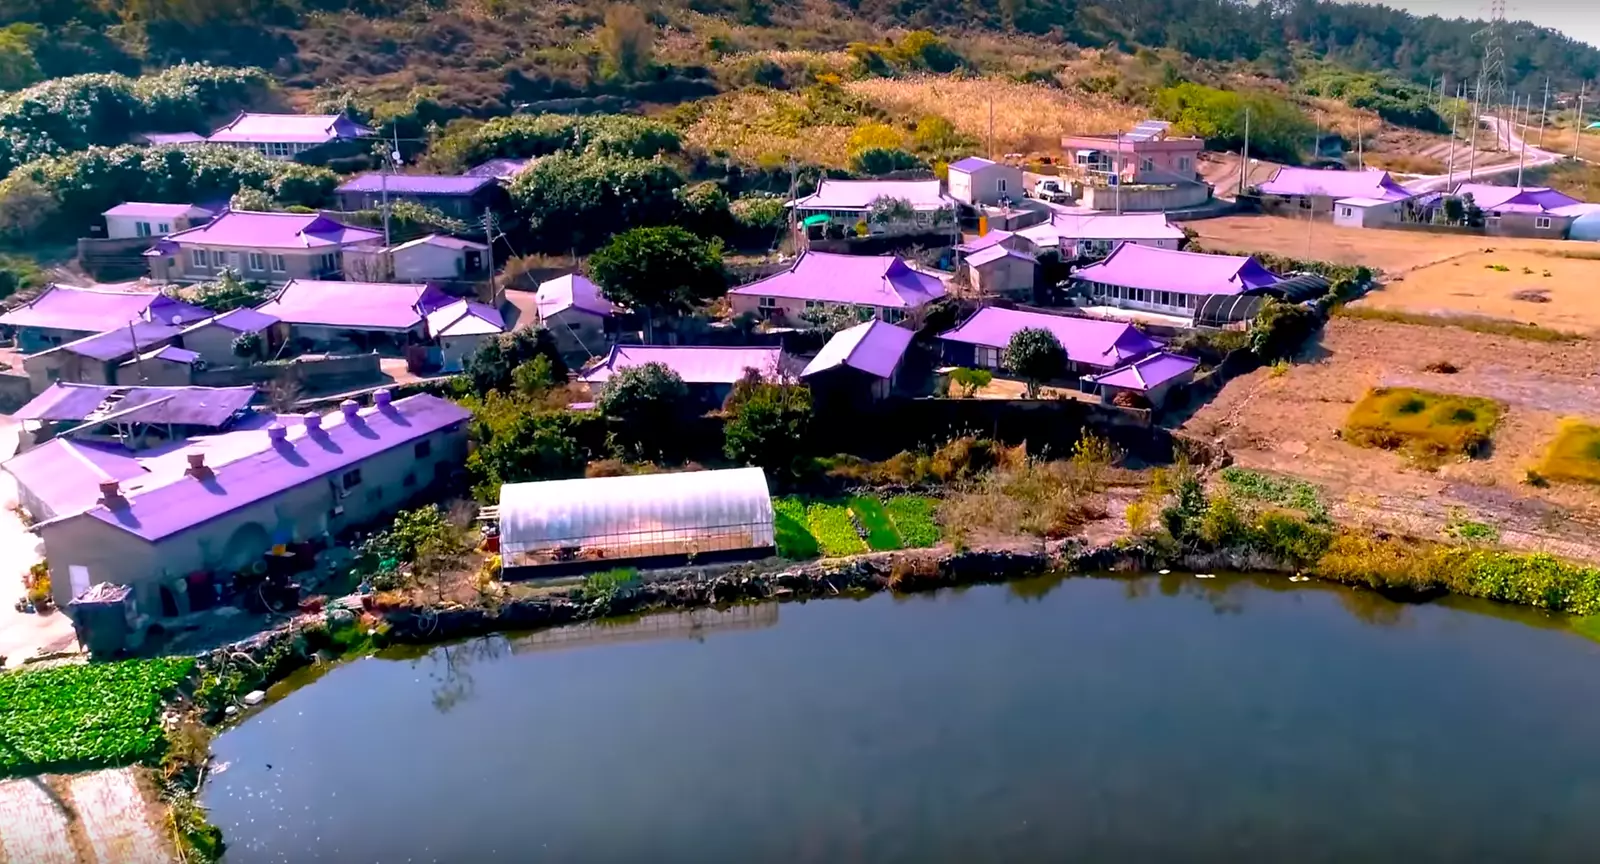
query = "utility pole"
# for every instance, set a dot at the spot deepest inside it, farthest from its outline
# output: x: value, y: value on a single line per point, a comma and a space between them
x: 138, y: 362
x: 1577, y: 133
x: 991, y: 128
x: 1450, y: 169
x: 491, y: 227
x: 1544, y: 108
x: 1361, y: 163
x: 1522, y: 160
x: 1244, y: 157
x: 1472, y: 161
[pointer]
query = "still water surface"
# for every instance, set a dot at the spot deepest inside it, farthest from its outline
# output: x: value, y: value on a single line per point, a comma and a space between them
x: 1153, y: 719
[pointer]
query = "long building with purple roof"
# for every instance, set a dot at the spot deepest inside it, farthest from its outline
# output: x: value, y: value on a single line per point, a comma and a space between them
x: 259, y: 247
x: 1092, y: 345
x: 1168, y: 281
x: 461, y: 196
x: 214, y: 505
x: 65, y: 314
x: 883, y: 286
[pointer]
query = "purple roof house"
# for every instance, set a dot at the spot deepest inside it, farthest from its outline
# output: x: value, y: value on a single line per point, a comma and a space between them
x: 1167, y: 281
x: 325, y: 312
x: 97, y: 359
x: 461, y: 327
x: 135, y: 219
x: 65, y: 314
x: 284, y: 136
x: 453, y: 195
x: 885, y: 284
x: 1150, y: 377
x: 220, y: 502
x: 1326, y: 187
x: 264, y: 247
x: 844, y: 203
x: 715, y: 366
x: 167, y: 139
x: 873, y: 348
x: 580, y: 318
x: 1530, y: 211
x: 1092, y: 345
x: 1098, y: 233
x: 501, y: 169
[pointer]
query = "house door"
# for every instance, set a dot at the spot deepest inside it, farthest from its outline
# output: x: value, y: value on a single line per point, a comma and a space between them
x: 78, y: 577
x: 474, y: 261
x: 169, y: 603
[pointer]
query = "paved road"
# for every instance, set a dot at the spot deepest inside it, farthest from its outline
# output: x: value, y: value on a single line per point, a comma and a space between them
x: 1535, y: 158
x: 22, y: 635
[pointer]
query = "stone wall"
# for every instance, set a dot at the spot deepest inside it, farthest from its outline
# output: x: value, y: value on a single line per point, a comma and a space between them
x: 314, y: 373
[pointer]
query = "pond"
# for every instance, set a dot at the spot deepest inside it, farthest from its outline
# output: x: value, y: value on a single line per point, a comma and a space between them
x: 1147, y: 719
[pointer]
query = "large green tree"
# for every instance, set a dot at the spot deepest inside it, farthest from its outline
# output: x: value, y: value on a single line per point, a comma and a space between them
x: 644, y: 407
x: 661, y: 271
x: 766, y: 423
x: 493, y: 366
x: 1036, y: 355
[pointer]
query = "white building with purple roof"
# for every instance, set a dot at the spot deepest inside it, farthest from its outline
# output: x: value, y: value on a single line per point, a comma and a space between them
x: 1166, y: 281
x: 1092, y: 346
x: 843, y: 206
x: 167, y: 518
x: 977, y: 182
x: 135, y: 219
x: 260, y: 247
x: 285, y: 136
x: 876, y: 286
x: 1302, y: 189
x: 576, y: 314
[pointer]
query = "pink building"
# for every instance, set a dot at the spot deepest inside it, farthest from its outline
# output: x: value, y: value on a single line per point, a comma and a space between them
x: 1146, y: 155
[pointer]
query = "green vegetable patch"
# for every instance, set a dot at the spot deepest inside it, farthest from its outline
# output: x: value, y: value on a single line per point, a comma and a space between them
x: 912, y: 516
x: 792, y: 535
x: 68, y: 718
x: 834, y: 530
x: 881, y: 533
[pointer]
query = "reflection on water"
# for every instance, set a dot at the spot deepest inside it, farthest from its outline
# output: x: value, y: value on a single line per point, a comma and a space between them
x: 1241, y: 719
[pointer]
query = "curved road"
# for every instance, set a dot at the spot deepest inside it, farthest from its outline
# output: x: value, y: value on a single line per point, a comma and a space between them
x: 1535, y: 158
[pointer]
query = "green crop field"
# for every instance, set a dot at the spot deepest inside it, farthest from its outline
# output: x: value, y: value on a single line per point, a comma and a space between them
x: 1427, y: 426
x: 72, y: 717
x: 1574, y: 455
x: 870, y: 514
x: 805, y: 530
x: 913, y: 519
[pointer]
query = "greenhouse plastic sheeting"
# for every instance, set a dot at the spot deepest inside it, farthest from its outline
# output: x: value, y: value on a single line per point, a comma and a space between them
x: 1586, y: 227
x: 638, y: 516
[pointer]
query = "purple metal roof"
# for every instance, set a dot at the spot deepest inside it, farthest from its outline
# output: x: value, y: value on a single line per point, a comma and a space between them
x: 63, y: 401
x: 971, y: 163
x: 859, y: 194
x: 120, y: 343
x: 1150, y: 372
x: 1102, y: 226
x: 90, y: 310
x: 466, y: 318
x: 1510, y: 199
x: 351, y: 305
x: 500, y: 169
x: 169, y: 353
x: 159, y: 138
x: 185, y: 406
x: 1335, y: 184
x: 152, y: 209
x: 1086, y: 340
x: 995, y: 253
x: 275, y: 231
x: 993, y: 238
x: 262, y: 468
x: 241, y: 320
x: 695, y: 364
x: 66, y: 474
x: 417, y: 184
x: 443, y: 240
x: 572, y: 291
x: 865, y: 280
x: 874, y: 347
x: 288, y: 128
x: 1132, y: 266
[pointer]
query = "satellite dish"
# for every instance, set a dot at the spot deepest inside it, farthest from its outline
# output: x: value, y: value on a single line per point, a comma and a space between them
x: 177, y: 320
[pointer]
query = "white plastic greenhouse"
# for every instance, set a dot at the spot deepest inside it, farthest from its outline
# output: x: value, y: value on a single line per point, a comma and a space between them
x: 567, y: 525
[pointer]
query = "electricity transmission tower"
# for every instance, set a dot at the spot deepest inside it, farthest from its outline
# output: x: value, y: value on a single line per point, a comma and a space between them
x: 1492, y: 71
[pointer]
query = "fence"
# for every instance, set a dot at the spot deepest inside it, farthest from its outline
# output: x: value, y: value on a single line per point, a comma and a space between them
x: 110, y: 260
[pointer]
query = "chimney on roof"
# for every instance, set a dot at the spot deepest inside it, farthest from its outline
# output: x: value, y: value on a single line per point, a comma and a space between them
x: 382, y: 397
x: 276, y: 432
x: 197, y: 466
x: 111, y: 495
x: 349, y: 407
x: 313, y: 422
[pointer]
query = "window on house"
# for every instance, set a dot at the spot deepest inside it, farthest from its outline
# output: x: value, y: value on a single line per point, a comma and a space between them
x: 814, y: 304
x: 351, y: 479
x: 423, y: 449
x: 1183, y: 163
x: 257, y: 261
x: 1002, y: 185
x: 894, y: 316
x: 197, y: 258
x: 1147, y: 165
x: 1541, y: 222
x: 1345, y: 211
x: 52, y: 374
x: 410, y: 480
x: 278, y: 265
x: 141, y: 229
x: 1303, y: 202
x: 163, y: 228
x: 767, y: 303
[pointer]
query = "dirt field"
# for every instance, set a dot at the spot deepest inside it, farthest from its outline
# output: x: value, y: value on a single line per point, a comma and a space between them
x: 1394, y: 252
x: 1538, y: 288
x: 1290, y: 424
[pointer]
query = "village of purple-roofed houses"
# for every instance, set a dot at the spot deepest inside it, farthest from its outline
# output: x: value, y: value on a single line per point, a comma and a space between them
x: 385, y: 392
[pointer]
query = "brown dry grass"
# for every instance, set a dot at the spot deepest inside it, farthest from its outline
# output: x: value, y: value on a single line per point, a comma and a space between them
x: 1405, y: 163
x: 757, y: 125
x: 1291, y: 424
x: 1561, y: 141
x: 1575, y: 454
x: 1393, y: 252
x: 1028, y: 118
x: 1467, y: 285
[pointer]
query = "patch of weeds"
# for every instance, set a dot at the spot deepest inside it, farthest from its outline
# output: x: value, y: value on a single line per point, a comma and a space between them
x: 834, y: 530
x: 1429, y: 427
x: 869, y: 512
x: 1472, y: 323
x: 1459, y: 527
x: 1289, y: 492
x: 791, y: 534
x: 1278, y: 369
x: 1575, y: 454
x: 1441, y: 367
x: 913, y: 519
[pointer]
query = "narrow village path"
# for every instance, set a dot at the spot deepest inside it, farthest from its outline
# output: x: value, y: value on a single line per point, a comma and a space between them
x: 98, y: 818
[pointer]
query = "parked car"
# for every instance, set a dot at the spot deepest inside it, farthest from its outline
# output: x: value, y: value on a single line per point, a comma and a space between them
x: 1051, y: 190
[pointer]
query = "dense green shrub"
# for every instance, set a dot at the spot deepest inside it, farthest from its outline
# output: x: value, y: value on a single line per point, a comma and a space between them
x: 573, y: 201
x: 1277, y: 128
x: 767, y: 424
x: 1397, y: 101
x: 523, y: 136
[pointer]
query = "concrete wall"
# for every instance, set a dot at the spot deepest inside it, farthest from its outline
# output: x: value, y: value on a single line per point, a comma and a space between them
x: 578, y: 332
x: 214, y: 344
x: 1146, y: 199
x: 1527, y: 225
x: 124, y: 227
x: 154, y: 373
x: 313, y: 372
x: 425, y: 262
x: 1007, y: 276
x: 1351, y: 216
x: 32, y: 340
x: 225, y: 544
x: 46, y: 369
x: 15, y: 391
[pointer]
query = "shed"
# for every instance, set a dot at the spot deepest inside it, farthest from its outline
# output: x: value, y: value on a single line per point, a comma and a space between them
x: 1150, y: 378
x: 565, y: 526
x: 1000, y: 270
x: 1365, y: 212
x: 975, y: 180
x: 461, y: 328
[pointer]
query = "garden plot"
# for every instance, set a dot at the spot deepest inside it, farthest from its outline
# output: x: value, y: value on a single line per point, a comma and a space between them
x: 838, y: 528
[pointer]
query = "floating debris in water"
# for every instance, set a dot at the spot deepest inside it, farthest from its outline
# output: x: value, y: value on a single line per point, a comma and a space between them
x: 1163, y: 572
x: 1205, y: 575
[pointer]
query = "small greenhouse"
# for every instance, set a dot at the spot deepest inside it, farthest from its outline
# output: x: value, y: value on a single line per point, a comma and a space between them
x: 564, y: 526
x: 1586, y: 227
